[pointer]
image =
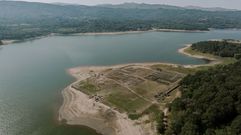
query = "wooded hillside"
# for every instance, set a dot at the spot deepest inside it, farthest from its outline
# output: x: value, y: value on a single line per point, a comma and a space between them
x: 210, y: 103
x: 224, y: 48
x: 21, y: 20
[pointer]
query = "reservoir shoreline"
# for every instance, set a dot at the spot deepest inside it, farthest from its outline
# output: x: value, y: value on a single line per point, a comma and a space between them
x: 79, y: 109
x: 134, y: 32
x: 41, y: 65
x: 212, y: 61
x: 12, y: 41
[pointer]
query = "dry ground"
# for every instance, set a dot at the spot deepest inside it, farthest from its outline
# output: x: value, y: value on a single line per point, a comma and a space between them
x: 133, y: 89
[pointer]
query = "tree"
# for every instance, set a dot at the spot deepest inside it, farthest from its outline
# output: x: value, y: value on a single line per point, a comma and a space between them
x: 235, y: 126
x: 160, y: 123
x: 210, y: 103
x: 224, y: 48
x: 237, y: 56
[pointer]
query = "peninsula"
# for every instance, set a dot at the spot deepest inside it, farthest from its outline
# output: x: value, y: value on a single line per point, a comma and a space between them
x: 144, y: 68
x: 131, y: 98
x: 121, y: 99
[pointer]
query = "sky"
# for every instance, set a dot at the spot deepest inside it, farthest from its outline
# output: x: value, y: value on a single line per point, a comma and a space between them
x: 231, y: 4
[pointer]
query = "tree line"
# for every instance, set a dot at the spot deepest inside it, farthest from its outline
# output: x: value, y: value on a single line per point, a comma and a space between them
x: 224, y: 48
x: 211, y: 99
x: 21, y: 20
x: 210, y: 103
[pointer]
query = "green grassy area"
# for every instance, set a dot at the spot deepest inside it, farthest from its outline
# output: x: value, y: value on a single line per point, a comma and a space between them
x: 118, y: 96
x: 146, y: 87
x: 128, y: 102
x: 86, y: 87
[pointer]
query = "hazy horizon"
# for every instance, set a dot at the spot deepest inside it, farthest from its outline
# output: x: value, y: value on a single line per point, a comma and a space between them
x: 231, y: 4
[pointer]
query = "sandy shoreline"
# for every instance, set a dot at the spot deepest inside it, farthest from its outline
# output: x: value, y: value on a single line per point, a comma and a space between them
x: 79, y: 109
x: 76, y: 71
x: 133, y: 32
x: 177, y: 30
x: 6, y: 42
x: 107, y: 33
x: 213, y: 61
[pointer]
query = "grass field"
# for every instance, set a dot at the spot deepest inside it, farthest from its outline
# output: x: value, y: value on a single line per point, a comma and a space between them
x: 86, y: 86
x: 133, y: 89
x: 128, y: 102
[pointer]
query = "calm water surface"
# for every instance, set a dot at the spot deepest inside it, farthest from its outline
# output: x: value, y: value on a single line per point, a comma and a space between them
x: 33, y: 73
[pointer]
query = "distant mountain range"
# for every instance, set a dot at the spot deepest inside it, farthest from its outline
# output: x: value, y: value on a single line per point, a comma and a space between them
x: 210, y: 9
x: 157, y: 6
x: 30, y: 19
x: 133, y: 5
x: 139, y: 6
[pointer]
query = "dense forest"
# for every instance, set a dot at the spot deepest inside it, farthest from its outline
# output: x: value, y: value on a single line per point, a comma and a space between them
x: 210, y: 103
x: 21, y: 20
x: 224, y: 48
x: 211, y: 99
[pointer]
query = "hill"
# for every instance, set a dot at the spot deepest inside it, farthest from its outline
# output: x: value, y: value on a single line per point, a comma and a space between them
x: 223, y: 48
x: 210, y: 9
x: 210, y: 103
x: 139, y: 6
x: 21, y: 20
x: 211, y: 99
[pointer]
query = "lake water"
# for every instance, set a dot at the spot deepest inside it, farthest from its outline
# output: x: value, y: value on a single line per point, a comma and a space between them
x: 33, y: 73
